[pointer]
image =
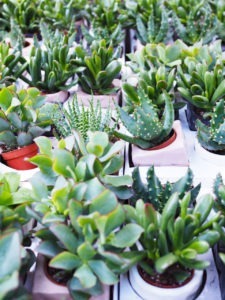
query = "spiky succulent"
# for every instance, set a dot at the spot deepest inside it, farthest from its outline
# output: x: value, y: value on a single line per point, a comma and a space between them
x: 157, y: 193
x: 147, y: 127
x: 75, y: 117
x: 212, y: 136
x: 157, y: 26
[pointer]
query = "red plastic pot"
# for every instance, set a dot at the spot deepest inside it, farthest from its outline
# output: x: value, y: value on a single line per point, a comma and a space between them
x: 16, y: 159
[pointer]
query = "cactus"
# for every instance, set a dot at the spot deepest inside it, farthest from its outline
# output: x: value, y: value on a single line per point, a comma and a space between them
x: 157, y: 193
x: 212, y: 136
x: 157, y: 27
x: 146, y: 125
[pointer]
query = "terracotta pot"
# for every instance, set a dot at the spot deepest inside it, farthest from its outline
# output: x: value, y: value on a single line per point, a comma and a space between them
x: 166, y: 143
x: 147, y: 291
x: 58, y: 97
x: 16, y: 159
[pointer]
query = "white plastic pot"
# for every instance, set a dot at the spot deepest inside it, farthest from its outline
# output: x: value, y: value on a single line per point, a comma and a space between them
x: 147, y: 291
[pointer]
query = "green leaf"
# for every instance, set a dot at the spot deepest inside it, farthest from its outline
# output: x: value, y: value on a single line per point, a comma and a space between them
x: 85, y: 276
x: 104, y: 202
x: 65, y: 236
x: 86, y: 251
x: 118, y: 180
x: 102, y: 271
x: 65, y: 261
x: 127, y: 236
x: 45, y: 145
x: 64, y: 162
x: 164, y: 262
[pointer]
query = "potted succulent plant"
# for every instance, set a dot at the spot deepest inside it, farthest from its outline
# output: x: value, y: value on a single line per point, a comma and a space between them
x: 154, y: 131
x: 75, y: 117
x: 15, y: 258
x: 210, y: 142
x: 202, y: 84
x: 100, y: 69
x: 22, y: 118
x: 173, y: 242
x: 52, y: 64
x: 81, y: 218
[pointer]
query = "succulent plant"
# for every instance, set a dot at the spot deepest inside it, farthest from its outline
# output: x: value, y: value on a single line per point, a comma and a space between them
x: 158, y: 193
x: 74, y: 117
x: 83, y: 161
x: 218, y: 8
x: 22, y: 117
x: 154, y: 83
x: 23, y: 12
x: 202, y: 84
x: 196, y: 23
x: 212, y: 136
x: 157, y: 27
x: 14, y: 256
x: 51, y: 65
x: 100, y: 68
x: 179, y: 235
x: 11, y: 65
x: 147, y: 126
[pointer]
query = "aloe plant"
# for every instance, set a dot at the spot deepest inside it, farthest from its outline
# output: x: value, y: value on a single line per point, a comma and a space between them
x: 100, y: 68
x: 193, y: 21
x: 147, y: 126
x: 212, y: 136
x: 22, y: 117
x: 75, y: 117
x: 202, y: 84
x: 157, y: 27
x: 167, y: 240
x: 218, y: 7
x: 158, y: 193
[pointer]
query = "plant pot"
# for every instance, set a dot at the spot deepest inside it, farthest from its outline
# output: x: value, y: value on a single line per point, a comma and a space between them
x: 105, y: 100
x: 146, y: 291
x: 173, y: 152
x: 59, y: 97
x: 45, y: 289
x: 212, y: 158
x: 16, y: 159
x: 192, y: 114
x: 220, y: 248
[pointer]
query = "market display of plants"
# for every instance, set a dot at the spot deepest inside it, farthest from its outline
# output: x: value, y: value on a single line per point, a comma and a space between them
x: 89, y: 221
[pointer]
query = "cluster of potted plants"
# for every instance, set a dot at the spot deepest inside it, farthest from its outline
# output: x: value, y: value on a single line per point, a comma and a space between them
x: 70, y: 99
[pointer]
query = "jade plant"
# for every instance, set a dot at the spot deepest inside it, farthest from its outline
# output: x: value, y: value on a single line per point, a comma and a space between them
x: 157, y: 193
x: 148, y: 126
x: 15, y: 258
x: 177, y: 236
x: 201, y: 84
x: 23, y: 116
x: 101, y: 67
x: 82, y: 221
x: 212, y: 135
x: 95, y: 158
x: 75, y: 117
x: 51, y: 65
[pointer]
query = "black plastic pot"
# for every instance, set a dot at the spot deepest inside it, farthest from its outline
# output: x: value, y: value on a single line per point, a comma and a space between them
x: 192, y: 114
